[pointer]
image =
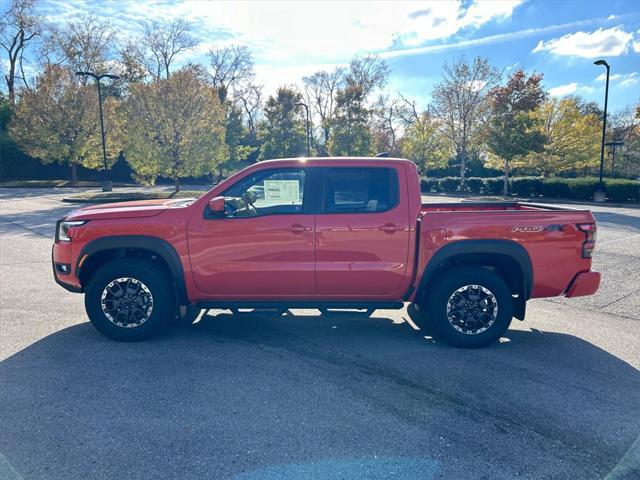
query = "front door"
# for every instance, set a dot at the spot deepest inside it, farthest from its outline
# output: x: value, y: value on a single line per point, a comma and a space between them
x: 263, y: 247
x: 362, y: 233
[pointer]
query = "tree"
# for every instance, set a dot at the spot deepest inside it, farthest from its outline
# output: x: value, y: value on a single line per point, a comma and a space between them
x: 321, y: 89
x: 236, y: 139
x: 283, y: 131
x: 350, y: 126
x: 425, y: 145
x: 367, y: 73
x: 390, y: 116
x: 572, y: 139
x: 624, y: 125
x: 462, y: 104
x: 160, y: 45
x: 18, y: 27
x: 513, y: 129
x: 250, y: 97
x: 83, y: 45
x: 57, y: 121
x: 230, y: 74
x: 131, y: 70
x: 173, y: 128
x: 231, y: 67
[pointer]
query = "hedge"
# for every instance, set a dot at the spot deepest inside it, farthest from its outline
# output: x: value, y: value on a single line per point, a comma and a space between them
x: 619, y: 190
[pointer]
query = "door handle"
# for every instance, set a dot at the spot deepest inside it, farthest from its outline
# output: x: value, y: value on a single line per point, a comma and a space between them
x: 390, y: 228
x: 297, y: 229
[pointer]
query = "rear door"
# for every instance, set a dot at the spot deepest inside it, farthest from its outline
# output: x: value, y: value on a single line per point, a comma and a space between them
x: 362, y: 233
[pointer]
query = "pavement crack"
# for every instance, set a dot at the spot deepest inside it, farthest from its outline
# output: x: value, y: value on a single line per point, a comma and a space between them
x: 621, y: 298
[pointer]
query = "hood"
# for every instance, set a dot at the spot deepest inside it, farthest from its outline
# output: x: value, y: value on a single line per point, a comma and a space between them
x: 136, y: 209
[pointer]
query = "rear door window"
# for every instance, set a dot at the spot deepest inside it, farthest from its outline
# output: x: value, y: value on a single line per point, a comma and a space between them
x: 360, y: 190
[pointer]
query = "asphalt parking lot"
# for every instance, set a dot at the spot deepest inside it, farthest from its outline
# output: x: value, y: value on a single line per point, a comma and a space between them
x: 304, y: 396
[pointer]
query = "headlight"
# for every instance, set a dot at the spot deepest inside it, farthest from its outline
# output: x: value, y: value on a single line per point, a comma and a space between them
x: 62, y: 231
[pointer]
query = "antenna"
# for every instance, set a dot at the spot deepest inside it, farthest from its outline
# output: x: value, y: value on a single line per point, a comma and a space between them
x: 382, y: 155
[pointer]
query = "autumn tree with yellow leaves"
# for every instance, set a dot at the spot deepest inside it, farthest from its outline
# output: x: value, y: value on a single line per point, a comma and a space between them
x: 572, y: 139
x: 174, y: 127
x: 57, y: 121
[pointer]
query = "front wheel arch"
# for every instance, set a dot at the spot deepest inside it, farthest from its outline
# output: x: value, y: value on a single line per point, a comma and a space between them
x: 101, y: 251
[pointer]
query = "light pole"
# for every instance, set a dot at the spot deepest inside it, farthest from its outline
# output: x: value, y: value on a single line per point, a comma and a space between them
x: 600, y: 195
x: 306, y: 107
x: 106, y: 183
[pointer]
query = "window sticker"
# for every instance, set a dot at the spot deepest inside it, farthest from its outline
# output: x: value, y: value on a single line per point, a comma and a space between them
x: 282, y: 191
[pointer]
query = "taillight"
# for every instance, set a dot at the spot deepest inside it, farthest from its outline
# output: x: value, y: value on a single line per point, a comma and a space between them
x: 589, y: 243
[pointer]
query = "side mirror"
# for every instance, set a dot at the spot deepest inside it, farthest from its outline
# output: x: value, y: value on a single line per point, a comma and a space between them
x: 216, y: 206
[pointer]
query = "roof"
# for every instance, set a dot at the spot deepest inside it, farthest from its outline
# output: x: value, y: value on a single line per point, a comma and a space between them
x: 331, y: 160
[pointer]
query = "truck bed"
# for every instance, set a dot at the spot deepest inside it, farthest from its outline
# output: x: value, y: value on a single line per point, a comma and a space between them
x: 490, y: 207
x: 549, y: 234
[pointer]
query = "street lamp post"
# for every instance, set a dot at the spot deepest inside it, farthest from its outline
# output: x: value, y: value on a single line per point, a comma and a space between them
x: 106, y: 183
x: 306, y: 107
x: 600, y: 195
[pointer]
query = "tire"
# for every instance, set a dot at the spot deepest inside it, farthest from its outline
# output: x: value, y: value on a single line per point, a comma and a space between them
x: 150, y: 308
x: 477, y: 317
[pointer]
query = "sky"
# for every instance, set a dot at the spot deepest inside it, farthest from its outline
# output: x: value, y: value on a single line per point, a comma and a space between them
x: 290, y: 39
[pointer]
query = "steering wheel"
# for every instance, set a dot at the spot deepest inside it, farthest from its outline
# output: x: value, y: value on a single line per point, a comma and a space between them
x: 229, y: 208
x: 249, y: 199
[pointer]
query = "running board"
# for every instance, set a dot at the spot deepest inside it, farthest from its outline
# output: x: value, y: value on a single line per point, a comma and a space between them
x: 351, y: 313
x: 326, y: 308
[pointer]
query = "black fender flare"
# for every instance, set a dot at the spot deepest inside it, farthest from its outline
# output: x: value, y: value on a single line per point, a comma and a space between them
x: 508, y: 248
x: 156, y: 245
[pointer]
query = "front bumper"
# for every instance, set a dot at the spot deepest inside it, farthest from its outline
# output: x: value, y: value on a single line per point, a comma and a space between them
x: 61, y: 256
x: 585, y: 283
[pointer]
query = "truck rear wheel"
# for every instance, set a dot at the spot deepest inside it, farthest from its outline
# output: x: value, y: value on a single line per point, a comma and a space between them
x: 468, y: 307
x: 129, y: 299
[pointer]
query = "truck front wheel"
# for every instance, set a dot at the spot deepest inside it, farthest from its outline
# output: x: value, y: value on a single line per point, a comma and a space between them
x: 129, y: 299
x: 468, y: 307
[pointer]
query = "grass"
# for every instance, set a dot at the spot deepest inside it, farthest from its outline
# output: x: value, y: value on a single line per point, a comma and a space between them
x: 104, y: 197
x: 46, y: 183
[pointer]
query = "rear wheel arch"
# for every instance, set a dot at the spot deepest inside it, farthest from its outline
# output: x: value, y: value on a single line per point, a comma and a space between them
x: 106, y: 249
x: 507, y: 258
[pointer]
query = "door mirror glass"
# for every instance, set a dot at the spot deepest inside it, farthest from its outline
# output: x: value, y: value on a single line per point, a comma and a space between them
x: 216, y: 205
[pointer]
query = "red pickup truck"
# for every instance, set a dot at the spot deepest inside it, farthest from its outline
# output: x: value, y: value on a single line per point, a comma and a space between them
x: 327, y: 233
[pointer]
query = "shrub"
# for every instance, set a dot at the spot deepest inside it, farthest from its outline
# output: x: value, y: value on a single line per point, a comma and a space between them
x: 555, y: 188
x: 429, y: 184
x: 494, y: 186
x: 450, y: 184
x: 528, y: 186
x: 622, y: 190
x: 476, y: 185
x: 619, y: 190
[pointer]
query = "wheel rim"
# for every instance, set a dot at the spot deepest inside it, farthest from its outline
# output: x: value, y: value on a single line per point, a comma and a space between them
x: 127, y: 302
x: 472, y: 309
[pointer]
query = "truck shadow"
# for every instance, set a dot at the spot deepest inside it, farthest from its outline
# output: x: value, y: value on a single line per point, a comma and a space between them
x: 229, y: 395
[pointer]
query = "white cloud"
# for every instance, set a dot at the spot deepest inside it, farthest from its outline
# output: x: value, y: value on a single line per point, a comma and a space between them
x: 630, y: 79
x: 292, y: 39
x: 487, y: 40
x: 623, y: 79
x: 290, y: 32
x: 562, y: 90
x: 610, y: 42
